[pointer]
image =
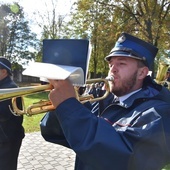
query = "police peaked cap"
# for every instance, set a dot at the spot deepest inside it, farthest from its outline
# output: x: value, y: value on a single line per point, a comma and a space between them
x: 130, y: 46
x: 5, y: 64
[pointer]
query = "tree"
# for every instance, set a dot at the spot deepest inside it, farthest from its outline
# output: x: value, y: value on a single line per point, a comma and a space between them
x: 51, y: 22
x: 92, y: 20
x: 18, y: 43
x: 102, y: 21
x: 148, y: 20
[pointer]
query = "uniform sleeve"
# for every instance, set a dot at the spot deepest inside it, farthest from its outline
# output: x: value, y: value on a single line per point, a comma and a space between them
x: 102, y: 145
x: 51, y: 130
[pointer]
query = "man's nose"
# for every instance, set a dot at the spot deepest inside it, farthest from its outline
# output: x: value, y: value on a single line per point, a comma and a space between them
x: 113, y: 68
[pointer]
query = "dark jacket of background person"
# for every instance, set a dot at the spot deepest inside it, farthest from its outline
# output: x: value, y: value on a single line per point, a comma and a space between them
x: 10, y: 125
x: 11, y: 129
x: 92, y: 90
x: 138, y: 129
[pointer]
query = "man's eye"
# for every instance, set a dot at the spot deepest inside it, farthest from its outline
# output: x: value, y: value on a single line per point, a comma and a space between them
x: 110, y: 65
x: 122, y: 63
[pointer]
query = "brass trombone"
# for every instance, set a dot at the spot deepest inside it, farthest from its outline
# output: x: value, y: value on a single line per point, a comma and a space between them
x: 44, y: 106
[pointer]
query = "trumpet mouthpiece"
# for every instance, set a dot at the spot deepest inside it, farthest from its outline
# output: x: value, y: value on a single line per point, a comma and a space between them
x: 109, y: 78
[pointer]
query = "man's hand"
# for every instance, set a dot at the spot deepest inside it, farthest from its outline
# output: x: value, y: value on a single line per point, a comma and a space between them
x: 63, y: 90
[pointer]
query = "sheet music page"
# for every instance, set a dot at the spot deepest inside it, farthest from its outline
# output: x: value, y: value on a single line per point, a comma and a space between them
x: 47, y: 71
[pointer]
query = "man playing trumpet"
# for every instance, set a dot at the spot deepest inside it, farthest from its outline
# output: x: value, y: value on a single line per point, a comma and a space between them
x: 132, y: 134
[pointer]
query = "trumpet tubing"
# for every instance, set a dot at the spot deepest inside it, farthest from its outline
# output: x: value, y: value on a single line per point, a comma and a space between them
x: 13, y: 93
x: 90, y: 98
x: 36, y: 108
x: 44, y: 106
x: 17, y: 92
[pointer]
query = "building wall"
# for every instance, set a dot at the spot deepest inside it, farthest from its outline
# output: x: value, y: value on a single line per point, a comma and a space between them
x: 19, y: 78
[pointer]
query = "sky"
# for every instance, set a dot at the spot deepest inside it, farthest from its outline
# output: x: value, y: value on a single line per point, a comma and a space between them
x: 32, y: 6
x: 41, y: 6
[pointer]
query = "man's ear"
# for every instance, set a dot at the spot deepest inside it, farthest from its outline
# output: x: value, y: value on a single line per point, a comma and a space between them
x: 143, y: 72
x: 4, y: 72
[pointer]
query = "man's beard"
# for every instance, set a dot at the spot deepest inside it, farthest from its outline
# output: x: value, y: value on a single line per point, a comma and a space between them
x: 126, y: 86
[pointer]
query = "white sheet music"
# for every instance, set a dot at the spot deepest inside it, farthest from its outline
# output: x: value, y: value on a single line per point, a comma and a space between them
x: 47, y: 71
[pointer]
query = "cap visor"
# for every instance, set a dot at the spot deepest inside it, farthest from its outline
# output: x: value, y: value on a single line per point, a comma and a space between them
x: 121, y: 54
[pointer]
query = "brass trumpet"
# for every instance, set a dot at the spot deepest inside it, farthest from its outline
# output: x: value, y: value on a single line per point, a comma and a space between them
x: 13, y: 93
x: 44, y: 106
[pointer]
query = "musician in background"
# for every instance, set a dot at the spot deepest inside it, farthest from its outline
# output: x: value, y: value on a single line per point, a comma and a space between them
x: 92, y: 90
x: 131, y: 131
x: 167, y: 79
x: 11, y: 129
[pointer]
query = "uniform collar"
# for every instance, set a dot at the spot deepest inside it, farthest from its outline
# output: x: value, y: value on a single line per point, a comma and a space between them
x: 4, y: 81
x: 123, y: 98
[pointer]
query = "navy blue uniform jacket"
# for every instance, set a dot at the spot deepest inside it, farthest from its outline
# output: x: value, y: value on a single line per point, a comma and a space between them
x: 131, y: 136
x: 10, y: 126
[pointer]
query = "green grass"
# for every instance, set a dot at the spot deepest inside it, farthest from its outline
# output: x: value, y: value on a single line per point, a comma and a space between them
x: 166, y: 167
x: 31, y: 123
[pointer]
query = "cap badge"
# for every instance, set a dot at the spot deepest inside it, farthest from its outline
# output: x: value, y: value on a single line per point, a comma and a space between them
x: 122, y: 39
